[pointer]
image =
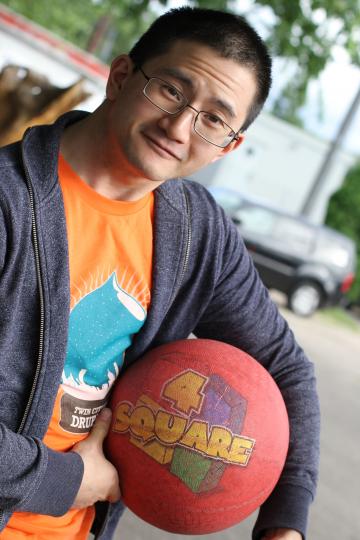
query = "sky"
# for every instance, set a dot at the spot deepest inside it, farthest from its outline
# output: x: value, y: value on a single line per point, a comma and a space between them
x: 329, y: 98
x: 339, y: 84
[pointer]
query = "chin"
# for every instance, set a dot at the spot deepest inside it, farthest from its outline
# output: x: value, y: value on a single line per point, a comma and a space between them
x: 153, y: 177
x: 148, y: 164
x: 151, y: 172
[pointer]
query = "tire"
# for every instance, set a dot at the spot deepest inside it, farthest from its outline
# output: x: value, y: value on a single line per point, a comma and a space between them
x: 305, y: 298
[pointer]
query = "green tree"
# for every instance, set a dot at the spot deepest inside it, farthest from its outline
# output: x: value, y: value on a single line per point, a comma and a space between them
x: 75, y: 20
x: 303, y: 32
x: 343, y: 214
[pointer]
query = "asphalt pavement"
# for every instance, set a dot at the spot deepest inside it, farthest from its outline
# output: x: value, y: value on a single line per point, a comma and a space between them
x: 335, y: 514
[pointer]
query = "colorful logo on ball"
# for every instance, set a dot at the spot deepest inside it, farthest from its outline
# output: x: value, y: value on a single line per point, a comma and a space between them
x: 199, y: 437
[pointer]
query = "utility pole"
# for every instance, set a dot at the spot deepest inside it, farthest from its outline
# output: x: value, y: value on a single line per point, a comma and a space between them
x: 327, y: 163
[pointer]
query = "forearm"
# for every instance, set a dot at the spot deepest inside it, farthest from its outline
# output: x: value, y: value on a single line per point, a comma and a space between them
x: 34, y: 478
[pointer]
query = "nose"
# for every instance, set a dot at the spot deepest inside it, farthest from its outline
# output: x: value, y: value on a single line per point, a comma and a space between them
x: 178, y: 127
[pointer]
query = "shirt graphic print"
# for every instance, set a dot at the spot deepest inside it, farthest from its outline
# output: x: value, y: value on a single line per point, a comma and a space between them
x: 100, y: 330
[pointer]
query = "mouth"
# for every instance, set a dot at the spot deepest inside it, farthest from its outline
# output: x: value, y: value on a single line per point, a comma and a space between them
x: 161, y: 148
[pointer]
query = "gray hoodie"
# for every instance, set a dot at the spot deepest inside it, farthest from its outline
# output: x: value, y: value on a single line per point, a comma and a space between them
x: 203, y: 282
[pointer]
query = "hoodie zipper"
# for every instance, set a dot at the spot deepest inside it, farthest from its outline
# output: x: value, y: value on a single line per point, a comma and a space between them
x: 188, y: 239
x: 41, y: 296
x: 34, y: 234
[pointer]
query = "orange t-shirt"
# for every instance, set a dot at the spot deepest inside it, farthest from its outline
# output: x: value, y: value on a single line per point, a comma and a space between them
x: 110, y: 257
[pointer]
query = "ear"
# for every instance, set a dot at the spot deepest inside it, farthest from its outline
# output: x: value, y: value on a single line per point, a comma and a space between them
x: 121, y: 68
x: 232, y: 146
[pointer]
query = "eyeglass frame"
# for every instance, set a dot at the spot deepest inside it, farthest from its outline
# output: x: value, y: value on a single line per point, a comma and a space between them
x: 236, y: 136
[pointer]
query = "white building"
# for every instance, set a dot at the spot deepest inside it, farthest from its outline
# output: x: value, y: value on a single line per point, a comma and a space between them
x: 277, y: 163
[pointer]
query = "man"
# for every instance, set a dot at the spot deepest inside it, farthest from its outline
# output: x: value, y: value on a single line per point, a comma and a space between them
x: 92, y: 225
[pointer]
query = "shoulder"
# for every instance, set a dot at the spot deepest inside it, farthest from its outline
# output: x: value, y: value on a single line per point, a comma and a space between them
x: 206, y: 211
x: 10, y: 156
x: 10, y: 165
x: 13, y: 190
x: 11, y: 168
x: 210, y: 226
x: 188, y: 195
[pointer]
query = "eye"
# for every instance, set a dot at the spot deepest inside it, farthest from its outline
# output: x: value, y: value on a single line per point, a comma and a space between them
x: 212, y: 120
x: 172, y: 92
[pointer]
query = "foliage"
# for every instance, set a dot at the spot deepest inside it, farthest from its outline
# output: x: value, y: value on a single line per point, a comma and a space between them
x: 127, y: 19
x: 305, y: 32
x: 344, y: 215
x: 302, y: 31
x: 77, y: 22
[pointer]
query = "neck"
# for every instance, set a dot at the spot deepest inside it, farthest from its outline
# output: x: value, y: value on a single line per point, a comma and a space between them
x: 85, y: 145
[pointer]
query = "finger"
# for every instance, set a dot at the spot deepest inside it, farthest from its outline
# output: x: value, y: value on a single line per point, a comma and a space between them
x: 101, y: 426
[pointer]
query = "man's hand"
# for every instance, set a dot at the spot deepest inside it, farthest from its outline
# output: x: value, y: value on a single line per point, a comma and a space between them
x: 100, y: 481
x: 282, y: 534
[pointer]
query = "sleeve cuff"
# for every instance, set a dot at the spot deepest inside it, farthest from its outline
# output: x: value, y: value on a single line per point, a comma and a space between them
x: 58, y: 488
x: 288, y: 507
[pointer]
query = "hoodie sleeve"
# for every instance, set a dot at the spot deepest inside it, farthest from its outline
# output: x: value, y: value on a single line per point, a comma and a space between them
x: 242, y: 314
x: 34, y: 478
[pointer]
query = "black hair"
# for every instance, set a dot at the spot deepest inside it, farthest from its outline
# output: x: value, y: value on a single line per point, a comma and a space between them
x: 228, y: 34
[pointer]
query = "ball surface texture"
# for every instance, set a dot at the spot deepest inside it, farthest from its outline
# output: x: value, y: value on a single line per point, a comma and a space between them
x: 199, y: 436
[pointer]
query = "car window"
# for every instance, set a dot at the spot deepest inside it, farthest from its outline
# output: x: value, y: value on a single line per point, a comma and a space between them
x: 294, y: 236
x: 256, y: 220
x: 228, y: 201
x: 297, y: 235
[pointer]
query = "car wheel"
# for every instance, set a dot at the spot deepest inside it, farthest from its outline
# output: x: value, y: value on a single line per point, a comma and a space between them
x: 305, y: 298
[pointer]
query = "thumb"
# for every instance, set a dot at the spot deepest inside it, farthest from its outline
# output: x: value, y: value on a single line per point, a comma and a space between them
x: 101, y: 426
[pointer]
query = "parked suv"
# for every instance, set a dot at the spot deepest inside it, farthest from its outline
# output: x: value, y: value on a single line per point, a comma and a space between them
x: 313, y: 265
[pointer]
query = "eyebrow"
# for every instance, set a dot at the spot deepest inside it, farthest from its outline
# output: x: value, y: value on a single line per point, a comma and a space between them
x: 181, y: 77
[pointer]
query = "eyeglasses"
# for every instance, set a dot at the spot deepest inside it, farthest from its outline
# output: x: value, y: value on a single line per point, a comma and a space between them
x: 169, y: 99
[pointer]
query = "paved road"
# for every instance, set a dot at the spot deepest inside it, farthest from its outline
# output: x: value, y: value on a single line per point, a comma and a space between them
x: 336, y: 512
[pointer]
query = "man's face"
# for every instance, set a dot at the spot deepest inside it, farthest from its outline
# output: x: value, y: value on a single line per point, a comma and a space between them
x: 154, y: 145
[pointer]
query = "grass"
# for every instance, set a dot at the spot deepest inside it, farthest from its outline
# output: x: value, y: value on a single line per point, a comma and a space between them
x: 339, y: 316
